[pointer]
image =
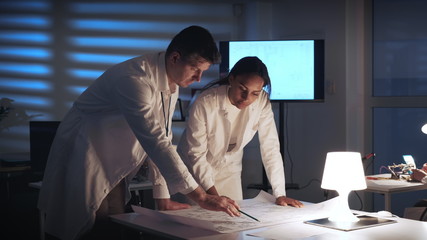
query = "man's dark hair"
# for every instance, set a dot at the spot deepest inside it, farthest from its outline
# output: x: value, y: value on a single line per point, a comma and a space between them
x: 195, y: 41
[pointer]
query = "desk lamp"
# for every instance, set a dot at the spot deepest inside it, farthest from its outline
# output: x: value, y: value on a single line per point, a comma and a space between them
x: 424, y: 128
x: 343, y: 172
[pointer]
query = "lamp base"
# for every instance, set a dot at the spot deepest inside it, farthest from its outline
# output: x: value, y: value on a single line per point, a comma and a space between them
x: 363, y: 222
x: 343, y: 216
x: 342, y: 212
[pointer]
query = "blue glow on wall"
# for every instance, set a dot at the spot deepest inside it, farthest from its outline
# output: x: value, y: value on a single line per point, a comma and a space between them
x: 77, y: 90
x: 157, y: 9
x: 34, y: 5
x: 98, y: 58
x: 30, y: 101
x: 119, y: 42
x: 25, y: 37
x: 41, y: 115
x: 25, y: 84
x: 84, y: 73
x: 26, y: 52
x: 127, y: 25
x: 33, y: 21
x: 25, y: 69
x: 51, y: 50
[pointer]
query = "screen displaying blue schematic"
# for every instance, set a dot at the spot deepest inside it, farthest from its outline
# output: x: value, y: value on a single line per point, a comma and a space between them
x: 290, y: 64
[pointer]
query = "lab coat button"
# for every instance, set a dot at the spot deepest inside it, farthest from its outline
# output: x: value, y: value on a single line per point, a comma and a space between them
x: 105, y: 190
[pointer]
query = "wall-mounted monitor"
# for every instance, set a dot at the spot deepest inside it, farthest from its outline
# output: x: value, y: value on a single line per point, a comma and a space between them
x: 296, y: 67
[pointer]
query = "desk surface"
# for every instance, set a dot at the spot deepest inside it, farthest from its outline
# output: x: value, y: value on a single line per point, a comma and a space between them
x: 392, y: 185
x: 403, y: 229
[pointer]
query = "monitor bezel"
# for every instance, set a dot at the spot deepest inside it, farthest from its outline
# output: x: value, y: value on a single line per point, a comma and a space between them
x: 319, y: 67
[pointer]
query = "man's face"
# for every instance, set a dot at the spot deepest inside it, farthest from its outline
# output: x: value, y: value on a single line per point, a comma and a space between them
x: 184, y: 72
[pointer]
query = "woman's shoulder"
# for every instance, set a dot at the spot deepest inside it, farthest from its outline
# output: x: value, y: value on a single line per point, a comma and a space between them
x: 211, y: 97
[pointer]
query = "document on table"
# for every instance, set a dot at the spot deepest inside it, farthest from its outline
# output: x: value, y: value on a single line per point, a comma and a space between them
x: 261, y: 207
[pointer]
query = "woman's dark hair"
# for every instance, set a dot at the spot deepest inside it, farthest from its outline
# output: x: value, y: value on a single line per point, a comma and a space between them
x: 246, y: 66
x: 195, y: 41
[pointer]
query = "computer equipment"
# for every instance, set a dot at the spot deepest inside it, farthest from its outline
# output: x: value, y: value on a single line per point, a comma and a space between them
x: 42, y: 134
x: 409, y: 160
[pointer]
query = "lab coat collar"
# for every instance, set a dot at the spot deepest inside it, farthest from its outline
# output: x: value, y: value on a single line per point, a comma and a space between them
x: 163, y: 84
x: 222, y: 95
x: 222, y: 99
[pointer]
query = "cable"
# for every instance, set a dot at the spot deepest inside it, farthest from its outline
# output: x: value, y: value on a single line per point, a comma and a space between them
x: 291, y: 163
x: 360, y: 200
x: 310, y: 182
x: 384, y: 168
x: 367, y: 157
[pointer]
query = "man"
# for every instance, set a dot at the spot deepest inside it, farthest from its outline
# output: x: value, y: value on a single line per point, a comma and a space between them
x: 120, y: 120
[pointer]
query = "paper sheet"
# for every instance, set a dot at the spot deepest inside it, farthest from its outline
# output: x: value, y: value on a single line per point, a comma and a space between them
x: 261, y: 207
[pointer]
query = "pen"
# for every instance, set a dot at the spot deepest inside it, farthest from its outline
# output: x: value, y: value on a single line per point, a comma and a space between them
x: 248, y: 215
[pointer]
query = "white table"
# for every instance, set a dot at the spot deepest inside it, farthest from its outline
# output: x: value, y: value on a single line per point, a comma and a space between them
x: 404, y: 229
x: 390, y: 186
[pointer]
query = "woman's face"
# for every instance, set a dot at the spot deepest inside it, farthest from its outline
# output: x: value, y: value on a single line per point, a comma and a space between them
x: 244, y: 89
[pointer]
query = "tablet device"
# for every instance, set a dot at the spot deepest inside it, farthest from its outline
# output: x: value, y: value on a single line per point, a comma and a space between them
x: 409, y: 160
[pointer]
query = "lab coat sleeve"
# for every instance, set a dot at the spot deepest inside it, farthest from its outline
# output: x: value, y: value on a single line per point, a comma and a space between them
x: 193, y: 145
x: 270, y: 149
x: 160, y: 187
x: 134, y: 96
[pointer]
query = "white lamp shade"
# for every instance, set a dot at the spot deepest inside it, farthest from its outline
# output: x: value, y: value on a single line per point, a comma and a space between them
x: 424, y: 128
x: 343, y: 171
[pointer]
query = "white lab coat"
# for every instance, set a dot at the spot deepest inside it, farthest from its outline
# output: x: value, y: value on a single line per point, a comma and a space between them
x: 104, y: 138
x: 203, y: 145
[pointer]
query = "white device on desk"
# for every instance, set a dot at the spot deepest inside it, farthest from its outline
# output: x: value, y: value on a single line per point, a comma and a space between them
x: 404, y: 169
x: 410, y: 161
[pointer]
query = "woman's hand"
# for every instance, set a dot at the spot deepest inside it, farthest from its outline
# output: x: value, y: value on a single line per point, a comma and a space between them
x: 285, y: 201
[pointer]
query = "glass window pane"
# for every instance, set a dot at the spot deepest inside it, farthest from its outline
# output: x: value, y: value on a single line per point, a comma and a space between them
x: 399, y: 48
x: 397, y: 131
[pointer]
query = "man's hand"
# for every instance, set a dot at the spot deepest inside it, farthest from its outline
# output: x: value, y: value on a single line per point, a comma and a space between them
x: 214, y: 203
x: 285, y: 201
x: 212, y: 191
x: 167, y: 204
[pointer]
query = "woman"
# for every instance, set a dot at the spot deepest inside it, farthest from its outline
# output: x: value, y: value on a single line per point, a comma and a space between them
x: 222, y: 121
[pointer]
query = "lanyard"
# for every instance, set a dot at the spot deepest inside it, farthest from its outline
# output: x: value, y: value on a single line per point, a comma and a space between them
x: 164, y: 113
